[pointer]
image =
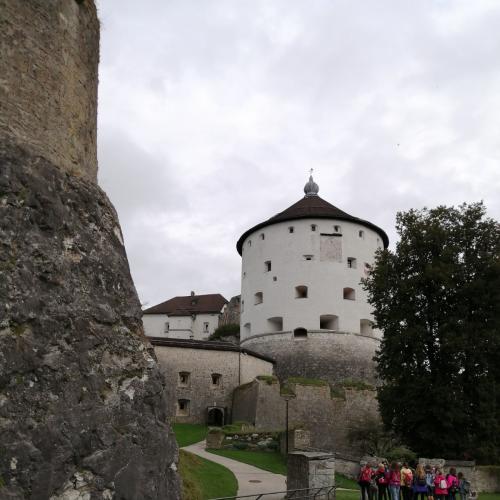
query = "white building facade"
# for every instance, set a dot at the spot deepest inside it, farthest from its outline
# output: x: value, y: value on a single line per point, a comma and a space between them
x: 192, y: 316
x: 301, y: 298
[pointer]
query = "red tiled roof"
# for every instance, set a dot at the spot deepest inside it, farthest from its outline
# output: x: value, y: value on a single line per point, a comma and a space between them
x: 311, y: 207
x: 189, y: 304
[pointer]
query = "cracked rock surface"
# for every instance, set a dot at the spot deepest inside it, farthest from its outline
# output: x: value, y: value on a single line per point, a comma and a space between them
x: 82, y: 407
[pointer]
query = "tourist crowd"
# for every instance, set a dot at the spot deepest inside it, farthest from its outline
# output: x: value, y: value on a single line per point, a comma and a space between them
x: 402, y: 483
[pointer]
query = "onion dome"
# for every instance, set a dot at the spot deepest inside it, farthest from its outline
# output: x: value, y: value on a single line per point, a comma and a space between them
x: 311, y: 188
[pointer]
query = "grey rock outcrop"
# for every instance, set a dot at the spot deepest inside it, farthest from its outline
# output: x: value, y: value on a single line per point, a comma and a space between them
x: 82, y: 407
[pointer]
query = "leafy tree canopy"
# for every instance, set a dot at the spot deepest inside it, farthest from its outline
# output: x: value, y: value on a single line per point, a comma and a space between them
x: 437, y: 300
x: 229, y: 330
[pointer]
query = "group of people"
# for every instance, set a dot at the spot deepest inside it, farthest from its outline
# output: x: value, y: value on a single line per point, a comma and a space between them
x: 424, y: 483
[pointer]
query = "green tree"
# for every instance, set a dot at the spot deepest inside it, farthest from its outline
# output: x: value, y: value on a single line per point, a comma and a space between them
x: 437, y: 300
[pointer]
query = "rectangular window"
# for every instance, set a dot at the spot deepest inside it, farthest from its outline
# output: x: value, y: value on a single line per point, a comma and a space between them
x: 351, y: 262
x: 337, y: 229
x: 291, y: 229
x: 184, y: 379
x: 216, y: 379
x: 167, y: 327
x: 205, y: 327
x: 313, y: 227
x: 267, y: 266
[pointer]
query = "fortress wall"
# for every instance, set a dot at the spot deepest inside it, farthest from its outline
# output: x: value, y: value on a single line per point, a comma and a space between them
x: 48, y: 82
x: 328, y: 419
x: 245, y: 403
x: 200, y: 391
x: 252, y: 367
x: 328, y: 356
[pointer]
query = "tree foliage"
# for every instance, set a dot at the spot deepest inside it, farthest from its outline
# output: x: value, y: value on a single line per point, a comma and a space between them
x: 437, y: 300
x: 229, y: 330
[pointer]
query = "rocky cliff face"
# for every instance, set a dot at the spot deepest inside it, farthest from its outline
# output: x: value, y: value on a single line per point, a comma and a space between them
x: 81, y: 398
x: 82, y: 407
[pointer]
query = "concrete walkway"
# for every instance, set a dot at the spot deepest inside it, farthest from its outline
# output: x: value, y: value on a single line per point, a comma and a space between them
x: 251, y: 480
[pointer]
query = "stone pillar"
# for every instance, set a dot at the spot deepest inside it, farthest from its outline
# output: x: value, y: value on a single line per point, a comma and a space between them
x: 311, y: 469
x: 82, y: 407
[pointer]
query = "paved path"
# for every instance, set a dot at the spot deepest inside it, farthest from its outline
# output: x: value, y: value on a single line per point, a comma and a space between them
x: 251, y: 480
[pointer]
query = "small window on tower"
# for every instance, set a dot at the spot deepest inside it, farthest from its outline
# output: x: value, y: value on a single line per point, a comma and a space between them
x: 361, y: 234
x: 267, y: 266
x: 337, y: 229
x: 351, y: 262
x: 275, y: 278
x: 249, y: 243
x: 259, y: 298
x: 262, y: 236
x: 301, y: 292
x: 313, y: 227
x: 308, y: 257
x: 349, y: 294
x: 291, y: 229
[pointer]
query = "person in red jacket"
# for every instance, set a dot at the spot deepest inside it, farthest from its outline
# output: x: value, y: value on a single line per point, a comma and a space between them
x: 441, y: 486
x: 365, y: 476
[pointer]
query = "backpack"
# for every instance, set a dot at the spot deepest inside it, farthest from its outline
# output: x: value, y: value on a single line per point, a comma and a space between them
x: 443, y: 485
x: 466, y: 486
x: 429, y: 479
x: 408, y: 478
x: 366, y: 475
x: 422, y: 481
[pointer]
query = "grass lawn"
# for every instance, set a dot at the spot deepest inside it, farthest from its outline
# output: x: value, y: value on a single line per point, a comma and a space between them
x: 202, y: 479
x: 187, y: 434
x: 272, y: 462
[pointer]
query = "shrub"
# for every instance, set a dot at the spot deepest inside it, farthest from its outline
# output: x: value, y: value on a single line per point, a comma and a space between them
x: 240, y: 445
x: 401, y: 454
x: 231, y: 330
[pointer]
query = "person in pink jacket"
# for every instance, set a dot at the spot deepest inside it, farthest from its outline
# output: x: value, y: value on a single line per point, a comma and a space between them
x: 452, y: 482
x: 441, y: 486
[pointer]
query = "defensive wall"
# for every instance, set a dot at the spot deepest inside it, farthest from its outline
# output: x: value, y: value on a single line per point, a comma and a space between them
x: 334, y: 356
x: 204, y: 375
x: 327, y: 414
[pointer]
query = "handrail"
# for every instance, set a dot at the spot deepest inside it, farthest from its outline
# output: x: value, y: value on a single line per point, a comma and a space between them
x: 308, y: 493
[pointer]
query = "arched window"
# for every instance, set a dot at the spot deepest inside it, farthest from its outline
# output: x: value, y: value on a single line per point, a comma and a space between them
x: 301, y: 292
x: 275, y: 324
x: 366, y: 327
x: 258, y: 298
x: 300, y: 333
x: 329, y: 322
x: 349, y: 294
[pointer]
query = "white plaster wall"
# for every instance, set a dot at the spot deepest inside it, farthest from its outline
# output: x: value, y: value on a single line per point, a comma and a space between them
x: 325, y: 280
x: 181, y: 327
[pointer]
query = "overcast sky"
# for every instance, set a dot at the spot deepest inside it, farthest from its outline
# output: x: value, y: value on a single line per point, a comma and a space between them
x: 211, y: 114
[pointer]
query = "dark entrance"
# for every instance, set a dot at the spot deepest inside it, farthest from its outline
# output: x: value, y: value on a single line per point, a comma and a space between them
x: 215, y: 416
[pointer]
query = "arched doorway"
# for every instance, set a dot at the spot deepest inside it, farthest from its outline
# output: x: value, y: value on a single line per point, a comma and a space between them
x: 215, y: 416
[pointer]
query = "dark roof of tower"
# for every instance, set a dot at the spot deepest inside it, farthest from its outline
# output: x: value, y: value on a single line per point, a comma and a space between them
x: 312, y: 207
x: 189, y: 304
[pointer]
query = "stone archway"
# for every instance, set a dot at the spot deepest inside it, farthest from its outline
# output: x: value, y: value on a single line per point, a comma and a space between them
x: 215, y: 416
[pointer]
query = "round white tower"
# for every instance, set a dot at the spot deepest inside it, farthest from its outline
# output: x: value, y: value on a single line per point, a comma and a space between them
x: 301, y: 298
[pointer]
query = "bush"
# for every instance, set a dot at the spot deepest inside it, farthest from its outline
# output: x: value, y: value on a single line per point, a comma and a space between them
x: 240, y: 445
x: 401, y: 454
x: 231, y: 330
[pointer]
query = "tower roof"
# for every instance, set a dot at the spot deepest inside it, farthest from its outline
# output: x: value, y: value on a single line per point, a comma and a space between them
x: 312, y: 207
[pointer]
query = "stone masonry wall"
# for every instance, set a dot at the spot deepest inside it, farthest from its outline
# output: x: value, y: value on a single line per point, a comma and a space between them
x: 331, y: 357
x: 48, y: 91
x: 327, y: 418
x: 201, y: 364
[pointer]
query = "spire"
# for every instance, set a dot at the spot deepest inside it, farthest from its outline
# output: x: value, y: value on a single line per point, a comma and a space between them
x: 311, y: 188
